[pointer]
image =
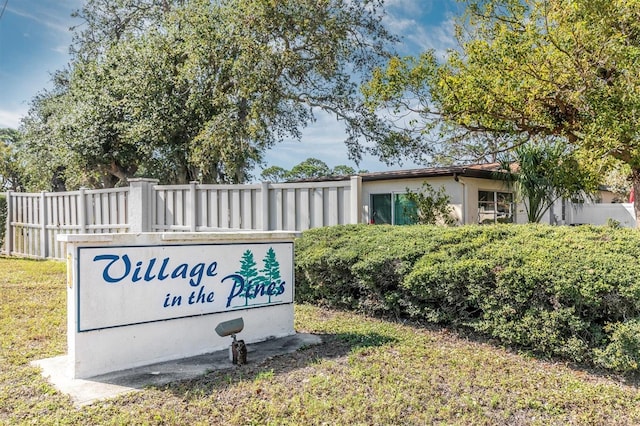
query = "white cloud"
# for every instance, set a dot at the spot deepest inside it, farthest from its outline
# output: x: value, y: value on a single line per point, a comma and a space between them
x: 414, y: 21
x: 55, y: 15
x: 61, y: 48
x: 410, y: 7
x: 11, y: 118
x: 439, y: 38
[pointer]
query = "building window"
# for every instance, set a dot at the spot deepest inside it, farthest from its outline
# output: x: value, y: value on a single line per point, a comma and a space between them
x: 495, y: 207
x: 394, y: 208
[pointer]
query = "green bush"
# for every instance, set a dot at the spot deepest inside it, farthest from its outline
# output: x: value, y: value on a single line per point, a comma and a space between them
x: 623, y: 351
x: 569, y: 292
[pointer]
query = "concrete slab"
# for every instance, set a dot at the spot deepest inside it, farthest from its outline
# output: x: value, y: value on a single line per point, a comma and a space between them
x: 87, y: 391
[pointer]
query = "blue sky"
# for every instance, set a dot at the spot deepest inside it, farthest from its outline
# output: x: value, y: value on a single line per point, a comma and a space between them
x: 35, y: 37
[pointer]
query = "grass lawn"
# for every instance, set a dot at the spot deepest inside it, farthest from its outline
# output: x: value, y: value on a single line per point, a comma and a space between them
x: 368, y: 371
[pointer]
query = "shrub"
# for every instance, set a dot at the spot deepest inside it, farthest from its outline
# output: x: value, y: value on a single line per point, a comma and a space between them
x: 433, y: 207
x: 553, y: 290
x: 623, y: 351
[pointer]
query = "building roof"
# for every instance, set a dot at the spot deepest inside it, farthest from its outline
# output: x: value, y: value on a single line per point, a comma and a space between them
x: 483, y: 171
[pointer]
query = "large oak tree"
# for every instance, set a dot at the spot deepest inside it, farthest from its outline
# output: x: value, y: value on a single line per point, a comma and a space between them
x: 197, y: 89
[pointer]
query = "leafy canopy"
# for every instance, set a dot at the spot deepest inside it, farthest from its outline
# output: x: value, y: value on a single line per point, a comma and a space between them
x: 12, y: 173
x: 526, y: 71
x: 198, y: 90
x: 307, y: 169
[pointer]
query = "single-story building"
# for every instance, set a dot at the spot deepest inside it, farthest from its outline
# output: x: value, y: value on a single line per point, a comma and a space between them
x: 475, y: 192
x: 477, y: 196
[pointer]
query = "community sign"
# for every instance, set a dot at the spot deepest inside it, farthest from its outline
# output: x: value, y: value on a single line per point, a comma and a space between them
x: 127, y: 285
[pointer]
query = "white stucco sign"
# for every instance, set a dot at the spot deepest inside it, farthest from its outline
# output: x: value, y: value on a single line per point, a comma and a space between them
x: 121, y: 286
x: 137, y: 299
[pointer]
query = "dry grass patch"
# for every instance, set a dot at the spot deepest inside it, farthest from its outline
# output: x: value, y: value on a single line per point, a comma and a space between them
x: 367, y: 371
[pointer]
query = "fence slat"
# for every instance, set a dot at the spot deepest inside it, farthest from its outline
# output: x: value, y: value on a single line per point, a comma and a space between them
x: 278, y: 206
x: 35, y: 220
x: 224, y: 210
x: 303, y: 216
x: 44, y: 249
x: 248, y: 207
x: 290, y: 217
x: 8, y: 236
x: 317, y: 218
x: 333, y: 207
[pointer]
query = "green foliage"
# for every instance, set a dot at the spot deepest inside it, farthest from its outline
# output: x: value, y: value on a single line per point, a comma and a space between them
x: 623, y: 352
x: 526, y: 71
x: 342, y: 170
x: 307, y: 169
x: 199, y: 90
x: 249, y: 271
x: 274, y: 174
x: 614, y: 224
x: 432, y: 206
x: 546, y: 172
x: 12, y: 173
x: 558, y: 291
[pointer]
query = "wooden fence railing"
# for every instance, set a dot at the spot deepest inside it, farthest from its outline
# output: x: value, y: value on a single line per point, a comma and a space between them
x: 35, y: 220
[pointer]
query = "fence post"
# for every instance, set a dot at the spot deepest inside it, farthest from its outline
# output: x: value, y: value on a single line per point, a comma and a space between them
x: 356, y: 202
x: 140, y: 213
x: 192, y: 207
x: 44, y: 249
x: 264, y: 193
x: 82, y: 210
x: 8, y: 237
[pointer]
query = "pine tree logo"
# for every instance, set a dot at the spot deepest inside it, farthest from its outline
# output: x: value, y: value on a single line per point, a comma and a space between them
x: 271, y: 269
x: 249, y: 272
x: 267, y: 281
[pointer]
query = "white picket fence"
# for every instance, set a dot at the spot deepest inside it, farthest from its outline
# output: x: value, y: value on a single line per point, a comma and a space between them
x: 35, y: 220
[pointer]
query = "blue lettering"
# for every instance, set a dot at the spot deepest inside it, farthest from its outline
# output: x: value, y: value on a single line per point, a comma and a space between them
x: 177, y: 301
x: 145, y: 270
x: 113, y: 258
x: 136, y: 273
x: 161, y: 275
x: 237, y: 289
x: 180, y: 271
x: 271, y: 290
x: 202, y: 297
x: 196, y: 271
x: 211, y: 270
x: 147, y: 274
x: 258, y: 288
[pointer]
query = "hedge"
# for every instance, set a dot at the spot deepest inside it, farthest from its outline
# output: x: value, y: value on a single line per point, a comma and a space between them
x: 570, y: 292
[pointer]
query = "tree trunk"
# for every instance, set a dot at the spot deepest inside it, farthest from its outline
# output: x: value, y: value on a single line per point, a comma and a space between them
x: 635, y: 181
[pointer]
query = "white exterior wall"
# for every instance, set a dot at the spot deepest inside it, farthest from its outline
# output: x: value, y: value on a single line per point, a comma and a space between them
x: 463, y: 194
x: 599, y: 214
x: 399, y: 186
